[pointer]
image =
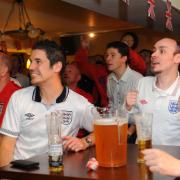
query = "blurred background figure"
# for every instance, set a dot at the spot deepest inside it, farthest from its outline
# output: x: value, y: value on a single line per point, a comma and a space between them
x: 122, y: 78
x: 96, y: 72
x: 146, y: 55
x: 137, y: 63
x: 72, y: 76
x: 7, y: 87
x: 17, y: 70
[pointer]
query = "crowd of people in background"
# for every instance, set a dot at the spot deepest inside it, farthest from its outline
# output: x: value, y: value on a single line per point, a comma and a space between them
x: 115, y: 78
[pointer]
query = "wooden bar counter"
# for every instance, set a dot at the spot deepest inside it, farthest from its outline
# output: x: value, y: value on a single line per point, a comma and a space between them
x: 75, y: 168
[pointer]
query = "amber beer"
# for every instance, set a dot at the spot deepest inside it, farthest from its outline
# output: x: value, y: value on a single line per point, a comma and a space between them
x: 111, y: 142
x: 143, y: 144
x: 144, y: 132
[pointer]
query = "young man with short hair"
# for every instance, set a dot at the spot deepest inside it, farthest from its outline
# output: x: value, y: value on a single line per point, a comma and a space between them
x: 24, y: 132
x: 160, y: 95
x: 122, y: 78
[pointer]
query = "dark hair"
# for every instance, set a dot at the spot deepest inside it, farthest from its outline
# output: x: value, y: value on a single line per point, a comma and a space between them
x: 53, y: 52
x: 134, y: 36
x: 122, y: 48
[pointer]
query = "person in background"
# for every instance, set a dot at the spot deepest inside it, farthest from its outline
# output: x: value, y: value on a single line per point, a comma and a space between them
x: 24, y: 132
x: 72, y: 76
x: 97, y: 72
x: 146, y: 55
x: 17, y: 70
x: 122, y: 78
x: 7, y: 86
x: 162, y: 162
x: 137, y: 63
x: 160, y: 95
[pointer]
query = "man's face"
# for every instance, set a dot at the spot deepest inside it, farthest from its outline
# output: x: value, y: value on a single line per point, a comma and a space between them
x: 71, y: 74
x: 114, y: 59
x: 162, y: 58
x: 1, y: 67
x: 40, y: 70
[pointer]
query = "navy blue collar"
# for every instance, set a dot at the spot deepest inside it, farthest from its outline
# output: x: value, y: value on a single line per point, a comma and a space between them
x: 61, y: 98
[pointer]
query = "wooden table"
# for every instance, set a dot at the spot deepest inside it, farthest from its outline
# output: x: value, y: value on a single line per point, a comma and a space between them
x: 75, y: 168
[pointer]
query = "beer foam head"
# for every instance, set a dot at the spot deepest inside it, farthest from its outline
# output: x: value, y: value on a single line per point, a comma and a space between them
x: 105, y: 121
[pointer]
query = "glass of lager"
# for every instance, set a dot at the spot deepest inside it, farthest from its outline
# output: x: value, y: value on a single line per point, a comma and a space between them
x: 144, y: 132
x: 111, y: 138
x: 55, y: 145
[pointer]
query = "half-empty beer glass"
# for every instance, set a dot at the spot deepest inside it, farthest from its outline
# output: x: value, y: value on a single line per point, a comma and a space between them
x: 144, y: 132
x: 111, y: 138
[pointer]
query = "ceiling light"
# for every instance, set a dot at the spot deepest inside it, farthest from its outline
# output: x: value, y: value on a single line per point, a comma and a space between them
x: 91, y: 35
x: 26, y: 28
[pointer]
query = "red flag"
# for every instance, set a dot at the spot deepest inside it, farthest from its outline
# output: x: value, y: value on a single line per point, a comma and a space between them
x: 169, y: 16
x: 151, y: 12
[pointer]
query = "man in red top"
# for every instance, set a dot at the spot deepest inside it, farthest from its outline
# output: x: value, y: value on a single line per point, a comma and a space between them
x: 137, y: 63
x: 7, y: 87
x: 72, y: 76
x: 97, y: 72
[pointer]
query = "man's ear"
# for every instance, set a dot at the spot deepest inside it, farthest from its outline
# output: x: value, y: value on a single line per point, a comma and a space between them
x: 57, y: 67
x: 177, y: 58
x: 124, y: 59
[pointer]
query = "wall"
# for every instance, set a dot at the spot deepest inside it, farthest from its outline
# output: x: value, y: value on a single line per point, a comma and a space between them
x: 146, y: 40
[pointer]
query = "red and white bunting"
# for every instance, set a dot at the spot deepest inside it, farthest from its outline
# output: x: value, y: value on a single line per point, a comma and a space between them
x: 126, y: 1
x: 151, y: 12
x: 169, y: 16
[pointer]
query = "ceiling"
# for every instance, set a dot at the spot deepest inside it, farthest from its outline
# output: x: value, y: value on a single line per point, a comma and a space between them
x: 57, y: 17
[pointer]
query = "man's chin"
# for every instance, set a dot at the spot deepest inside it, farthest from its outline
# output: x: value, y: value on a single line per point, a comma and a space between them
x: 156, y: 72
x: 34, y: 82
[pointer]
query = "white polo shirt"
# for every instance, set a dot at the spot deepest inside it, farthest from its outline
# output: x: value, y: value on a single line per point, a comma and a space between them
x: 118, y: 89
x: 25, y: 119
x: 164, y: 106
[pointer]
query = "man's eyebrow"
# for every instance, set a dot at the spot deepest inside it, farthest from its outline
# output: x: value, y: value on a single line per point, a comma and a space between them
x: 162, y: 47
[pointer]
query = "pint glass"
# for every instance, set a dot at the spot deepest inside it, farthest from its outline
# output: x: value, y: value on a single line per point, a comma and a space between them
x: 144, y: 133
x: 111, y: 139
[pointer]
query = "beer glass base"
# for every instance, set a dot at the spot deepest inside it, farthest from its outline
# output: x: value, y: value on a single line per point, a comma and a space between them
x: 56, y: 169
x: 140, y: 160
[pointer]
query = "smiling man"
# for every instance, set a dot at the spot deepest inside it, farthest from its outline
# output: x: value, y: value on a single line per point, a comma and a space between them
x: 160, y: 95
x: 23, y: 132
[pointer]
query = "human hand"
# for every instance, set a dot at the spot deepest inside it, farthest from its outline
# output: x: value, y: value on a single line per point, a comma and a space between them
x: 131, y: 129
x: 162, y: 162
x: 131, y: 99
x: 74, y: 143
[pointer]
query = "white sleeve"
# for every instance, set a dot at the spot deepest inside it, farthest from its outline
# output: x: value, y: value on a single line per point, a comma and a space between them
x: 88, y: 117
x: 11, y: 121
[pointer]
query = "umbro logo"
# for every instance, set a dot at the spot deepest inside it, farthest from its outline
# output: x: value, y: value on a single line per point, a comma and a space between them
x: 29, y: 116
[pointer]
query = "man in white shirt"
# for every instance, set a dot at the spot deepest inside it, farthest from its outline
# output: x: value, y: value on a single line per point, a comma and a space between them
x: 23, y: 132
x: 122, y: 78
x: 160, y: 95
